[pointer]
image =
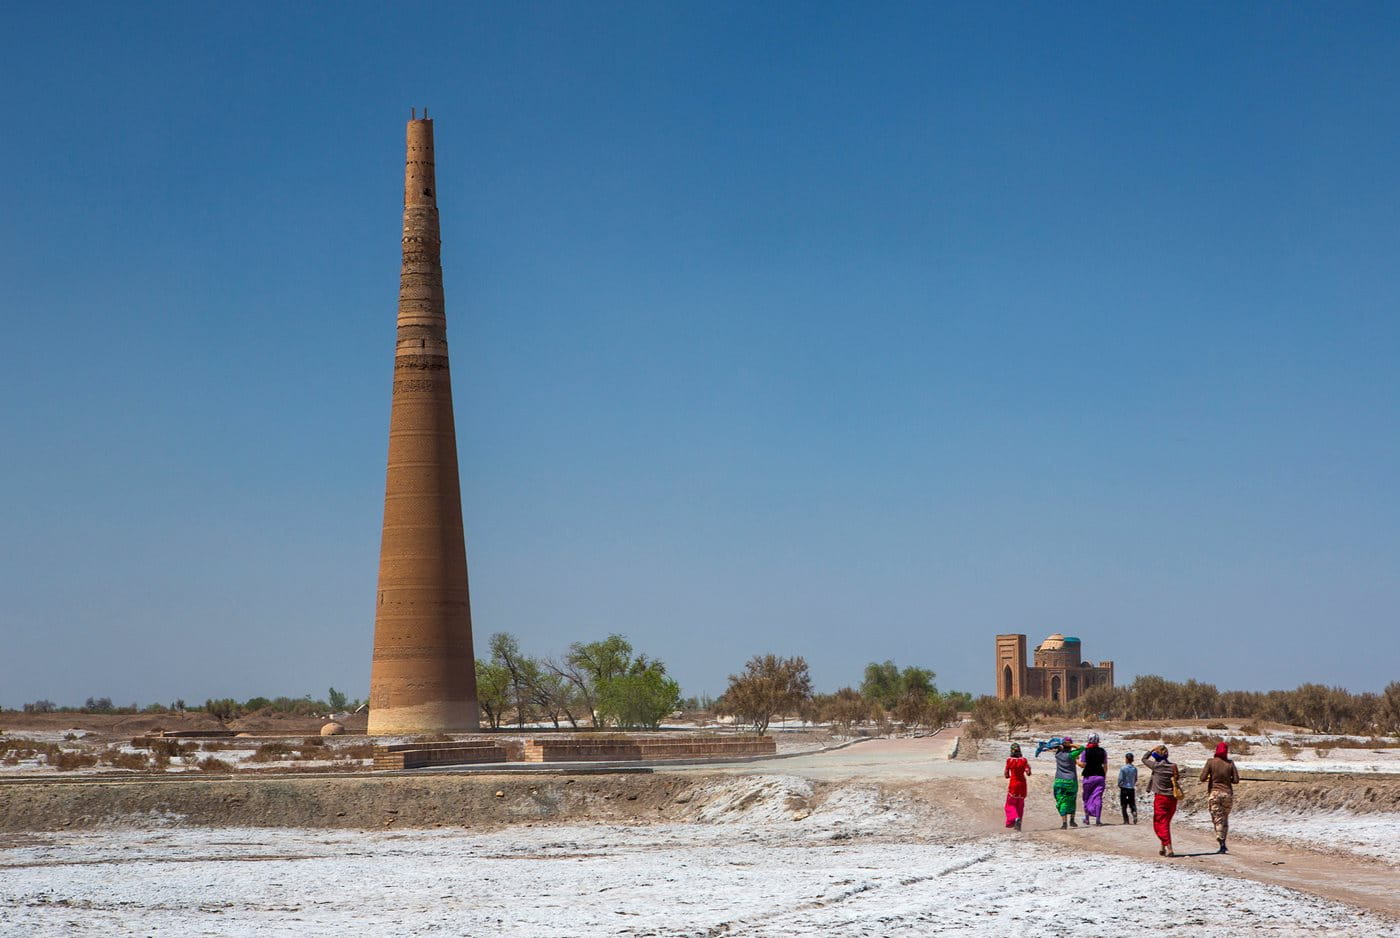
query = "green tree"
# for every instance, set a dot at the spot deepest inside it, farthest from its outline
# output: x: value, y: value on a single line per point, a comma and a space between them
x: 222, y: 710
x: 337, y: 700
x: 882, y: 684
x: 640, y: 698
x: 492, y: 691
x: 505, y: 651
x: 959, y: 700
x: 588, y: 666
x: 887, y: 685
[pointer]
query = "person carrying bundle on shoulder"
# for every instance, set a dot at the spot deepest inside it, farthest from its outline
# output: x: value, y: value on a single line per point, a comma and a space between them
x: 1166, y: 792
x: 1066, y: 785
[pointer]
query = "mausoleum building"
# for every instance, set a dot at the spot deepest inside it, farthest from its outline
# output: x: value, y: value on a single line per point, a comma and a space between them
x: 1058, y: 672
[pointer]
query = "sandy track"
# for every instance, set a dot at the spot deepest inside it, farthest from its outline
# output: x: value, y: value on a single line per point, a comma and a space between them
x: 973, y: 791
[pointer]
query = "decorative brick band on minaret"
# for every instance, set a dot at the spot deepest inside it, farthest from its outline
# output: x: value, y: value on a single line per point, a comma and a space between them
x: 423, y: 675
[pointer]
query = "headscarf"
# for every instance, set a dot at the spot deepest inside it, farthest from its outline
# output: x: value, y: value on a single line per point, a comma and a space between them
x: 1222, y: 750
x: 1093, y: 739
x: 1016, y: 750
x: 1066, y: 742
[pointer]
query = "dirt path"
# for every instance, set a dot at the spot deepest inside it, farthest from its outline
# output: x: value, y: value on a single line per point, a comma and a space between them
x: 974, y: 791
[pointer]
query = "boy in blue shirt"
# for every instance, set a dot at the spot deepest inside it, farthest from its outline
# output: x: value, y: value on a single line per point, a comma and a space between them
x: 1127, y: 788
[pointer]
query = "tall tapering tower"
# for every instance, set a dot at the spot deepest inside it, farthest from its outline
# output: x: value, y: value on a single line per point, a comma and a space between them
x: 423, y: 676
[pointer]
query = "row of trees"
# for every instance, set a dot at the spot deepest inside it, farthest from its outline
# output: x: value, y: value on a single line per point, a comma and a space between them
x: 770, y: 686
x: 224, y: 708
x: 602, y: 682
x: 1319, y: 708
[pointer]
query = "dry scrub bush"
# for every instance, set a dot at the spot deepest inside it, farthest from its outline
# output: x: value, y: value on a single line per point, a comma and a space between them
x: 211, y: 764
x: 68, y: 760
x: 169, y: 748
x: 1250, y: 729
x: 119, y: 759
x: 19, y: 748
x: 1322, y: 751
x: 272, y: 752
x: 1289, y: 750
x: 1216, y: 726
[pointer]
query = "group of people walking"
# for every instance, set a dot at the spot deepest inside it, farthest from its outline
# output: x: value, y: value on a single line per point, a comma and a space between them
x: 1085, y: 769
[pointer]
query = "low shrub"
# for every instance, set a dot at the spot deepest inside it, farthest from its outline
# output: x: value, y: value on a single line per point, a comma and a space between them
x: 121, y: 759
x: 272, y: 752
x: 1289, y: 750
x: 211, y: 764
x: 172, y: 747
x: 1322, y: 751
x: 1216, y: 726
x: 66, y: 760
x: 24, y: 748
x: 1250, y: 729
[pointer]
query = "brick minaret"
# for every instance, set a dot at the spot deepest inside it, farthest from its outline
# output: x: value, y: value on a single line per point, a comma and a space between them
x: 423, y: 676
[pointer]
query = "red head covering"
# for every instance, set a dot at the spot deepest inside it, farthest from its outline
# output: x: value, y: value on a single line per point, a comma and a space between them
x: 1222, y: 750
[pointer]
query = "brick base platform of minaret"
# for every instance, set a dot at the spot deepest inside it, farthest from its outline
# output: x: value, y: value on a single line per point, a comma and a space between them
x: 583, y: 747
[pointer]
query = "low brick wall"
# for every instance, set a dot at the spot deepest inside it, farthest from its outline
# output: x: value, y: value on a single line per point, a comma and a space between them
x: 418, y: 755
x: 630, y: 749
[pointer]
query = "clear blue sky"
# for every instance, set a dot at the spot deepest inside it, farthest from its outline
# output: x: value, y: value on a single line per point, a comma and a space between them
x: 844, y: 330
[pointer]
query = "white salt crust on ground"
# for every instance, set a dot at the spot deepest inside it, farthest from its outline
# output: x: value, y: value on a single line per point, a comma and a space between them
x: 1371, y: 835
x: 759, y: 864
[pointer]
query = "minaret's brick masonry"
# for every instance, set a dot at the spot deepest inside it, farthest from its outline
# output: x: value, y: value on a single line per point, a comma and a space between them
x: 423, y: 677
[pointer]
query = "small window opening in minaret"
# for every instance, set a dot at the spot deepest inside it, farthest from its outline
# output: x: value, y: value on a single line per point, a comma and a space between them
x: 427, y: 191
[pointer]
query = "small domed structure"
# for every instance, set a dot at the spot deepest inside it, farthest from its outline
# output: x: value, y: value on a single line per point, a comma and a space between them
x: 332, y: 729
x: 1058, y: 671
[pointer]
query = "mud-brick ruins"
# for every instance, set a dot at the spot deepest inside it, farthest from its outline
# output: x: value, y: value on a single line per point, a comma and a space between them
x: 1058, y: 673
